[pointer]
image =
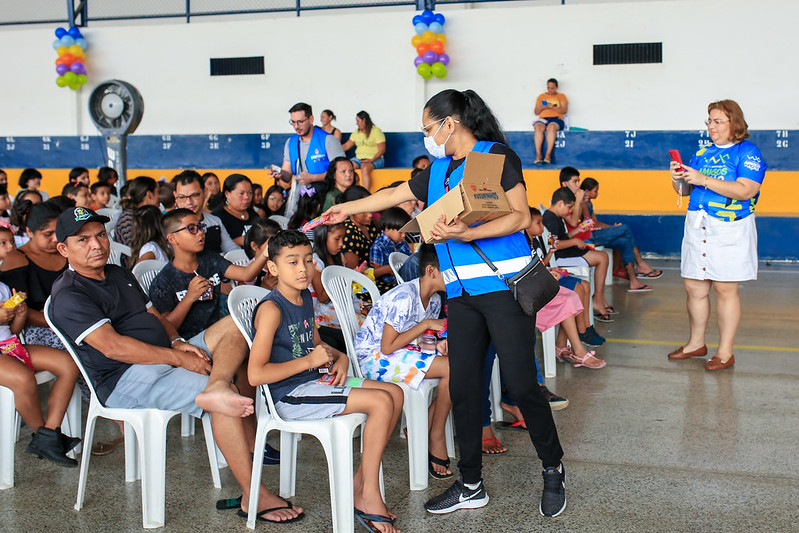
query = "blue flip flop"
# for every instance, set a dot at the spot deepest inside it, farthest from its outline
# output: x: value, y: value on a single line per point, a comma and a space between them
x: 368, y: 520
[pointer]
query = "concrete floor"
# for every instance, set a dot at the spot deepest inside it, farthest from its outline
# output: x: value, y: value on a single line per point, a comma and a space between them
x: 651, y: 444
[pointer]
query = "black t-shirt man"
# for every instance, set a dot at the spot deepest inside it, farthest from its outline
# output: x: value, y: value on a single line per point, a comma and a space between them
x: 80, y: 305
x: 171, y: 285
x: 556, y: 226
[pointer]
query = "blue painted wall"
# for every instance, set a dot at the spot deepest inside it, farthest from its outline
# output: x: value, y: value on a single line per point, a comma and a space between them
x: 595, y: 150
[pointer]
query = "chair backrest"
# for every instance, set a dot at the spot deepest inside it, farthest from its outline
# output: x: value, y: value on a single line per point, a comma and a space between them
x: 241, y: 303
x: 145, y: 272
x: 282, y: 221
x: 396, y: 260
x: 237, y: 257
x: 337, y: 281
x: 113, y: 215
x: 117, y: 251
x: 70, y: 348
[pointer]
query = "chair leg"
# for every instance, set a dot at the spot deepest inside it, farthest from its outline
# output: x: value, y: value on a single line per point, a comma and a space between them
x: 449, y: 431
x: 288, y: 464
x: 548, y: 343
x: 257, y: 468
x: 132, y: 463
x: 8, y: 432
x: 210, y: 445
x: 186, y: 425
x: 415, y: 408
x: 152, y: 455
x: 72, y: 420
x: 88, y: 438
x: 338, y: 449
x: 496, y: 392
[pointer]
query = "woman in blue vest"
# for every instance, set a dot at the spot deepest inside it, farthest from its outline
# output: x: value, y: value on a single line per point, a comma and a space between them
x: 481, y: 308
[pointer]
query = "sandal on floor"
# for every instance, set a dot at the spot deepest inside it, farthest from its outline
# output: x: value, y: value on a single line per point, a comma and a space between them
x: 602, y: 317
x: 261, y: 516
x: 516, y: 425
x: 564, y: 354
x: 368, y: 520
x: 645, y: 288
x: 496, y: 444
x: 229, y: 503
x: 589, y: 361
x: 609, y: 310
x: 440, y: 462
x: 652, y: 274
x: 104, y: 448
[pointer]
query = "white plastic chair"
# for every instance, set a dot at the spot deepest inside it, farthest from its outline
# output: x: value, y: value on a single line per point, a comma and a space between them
x: 145, y: 272
x: 145, y: 444
x: 113, y: 215
x: 396, y: 260
x: 337, y: 281
x: 10, y: 422
x: 334, y: 433
x: 117, y: 251
x: 282, y: 221
x: 237, y: 257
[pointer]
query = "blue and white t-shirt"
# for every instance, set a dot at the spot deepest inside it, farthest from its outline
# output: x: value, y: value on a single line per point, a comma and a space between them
x: 402, y: 309
x: 728, y: 163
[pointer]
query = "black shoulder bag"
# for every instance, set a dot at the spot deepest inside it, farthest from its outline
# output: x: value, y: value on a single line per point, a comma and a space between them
x: 533, y: 286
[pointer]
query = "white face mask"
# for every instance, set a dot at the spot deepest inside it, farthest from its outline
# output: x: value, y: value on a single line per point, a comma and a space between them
x: 436, y: 150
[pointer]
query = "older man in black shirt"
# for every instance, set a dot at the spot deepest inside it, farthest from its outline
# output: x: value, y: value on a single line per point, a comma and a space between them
x: 135, y: 358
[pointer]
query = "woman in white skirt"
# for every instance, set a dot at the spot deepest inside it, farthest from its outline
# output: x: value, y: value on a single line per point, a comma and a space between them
x: 719, y: 247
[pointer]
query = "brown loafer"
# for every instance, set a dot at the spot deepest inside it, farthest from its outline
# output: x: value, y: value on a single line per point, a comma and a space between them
x: 680, y: 354
x: 716, y: 364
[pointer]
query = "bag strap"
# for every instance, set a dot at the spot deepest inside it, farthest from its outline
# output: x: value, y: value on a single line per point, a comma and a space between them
x: 491, y: 265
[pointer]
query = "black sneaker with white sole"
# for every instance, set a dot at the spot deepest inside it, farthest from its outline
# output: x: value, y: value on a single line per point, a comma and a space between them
x: 553, y: 498
x: 458, y: 496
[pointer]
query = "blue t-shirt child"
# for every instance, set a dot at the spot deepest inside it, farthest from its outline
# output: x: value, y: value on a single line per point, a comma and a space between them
x: 728, y: 163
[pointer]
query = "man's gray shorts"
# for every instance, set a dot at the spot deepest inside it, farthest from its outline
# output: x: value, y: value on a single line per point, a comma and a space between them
x: 161, y: 386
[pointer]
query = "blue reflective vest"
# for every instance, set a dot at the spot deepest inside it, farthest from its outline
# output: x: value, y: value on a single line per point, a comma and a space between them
x: 462, y: 268
x: 316, y: 161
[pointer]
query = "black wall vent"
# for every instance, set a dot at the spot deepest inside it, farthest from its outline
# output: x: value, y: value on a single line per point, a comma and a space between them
x: 628, y: 53
x: 236, y: 66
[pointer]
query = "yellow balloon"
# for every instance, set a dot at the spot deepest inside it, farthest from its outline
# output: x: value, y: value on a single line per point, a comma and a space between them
x: 75, y: 50
x: 428, y: 37
x: 415, y: 41
x: 61, y: 50
x: 441, y: 37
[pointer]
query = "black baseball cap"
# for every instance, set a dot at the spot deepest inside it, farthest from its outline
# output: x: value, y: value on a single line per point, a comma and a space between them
x: 72, y: 220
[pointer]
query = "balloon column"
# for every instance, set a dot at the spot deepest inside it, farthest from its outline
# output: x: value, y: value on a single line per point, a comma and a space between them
x: 429, y: 41
x: 70, y: 65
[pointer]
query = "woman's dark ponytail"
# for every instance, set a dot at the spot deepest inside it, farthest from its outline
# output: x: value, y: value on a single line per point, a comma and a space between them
x: 471, y: 110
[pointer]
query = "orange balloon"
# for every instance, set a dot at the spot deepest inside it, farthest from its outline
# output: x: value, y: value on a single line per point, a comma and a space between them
x: 421, y: 48
x: 416, y: 40
x: 60, y: 61
x: 441, y: 37
x: 428, y: 37
x: 68, y: 58
x: 437, y: 47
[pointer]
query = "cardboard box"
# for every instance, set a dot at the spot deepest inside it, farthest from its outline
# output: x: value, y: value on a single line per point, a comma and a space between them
x: 478, y: 197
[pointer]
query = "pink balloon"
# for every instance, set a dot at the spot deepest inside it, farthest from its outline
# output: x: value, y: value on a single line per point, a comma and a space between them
x: 444, y: 59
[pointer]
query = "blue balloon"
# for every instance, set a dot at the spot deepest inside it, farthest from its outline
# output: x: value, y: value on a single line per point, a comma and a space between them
x: 435, y: 27
x: 74, y: 32
x: 420, y: 28
x: 427, y: 16
x: 66, y: 40
x: 417, y: 19
x: 439, y: 18
x: 60, y: 32
x: 56, y: 44
x: 82, y: 43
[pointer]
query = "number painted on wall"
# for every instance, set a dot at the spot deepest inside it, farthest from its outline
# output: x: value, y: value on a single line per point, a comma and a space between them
x: 630, y: 134
x: 213, y: 145
x: 782, y: 143
x: 10, y: 147
x: 782, y: 133
x: 629, y: 143
x: 704, y: 142
x: 265, y: 144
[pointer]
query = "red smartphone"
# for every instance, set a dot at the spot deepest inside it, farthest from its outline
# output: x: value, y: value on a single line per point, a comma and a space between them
x: 675, y: 156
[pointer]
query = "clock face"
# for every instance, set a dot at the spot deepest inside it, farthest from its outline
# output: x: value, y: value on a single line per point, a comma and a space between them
x: 116, y: 107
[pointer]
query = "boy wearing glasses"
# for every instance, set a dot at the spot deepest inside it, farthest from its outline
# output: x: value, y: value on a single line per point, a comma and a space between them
x: 189, y: 194
x: 186, y: 291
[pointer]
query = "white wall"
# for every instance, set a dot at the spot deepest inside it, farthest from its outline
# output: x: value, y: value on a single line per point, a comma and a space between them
x: 362, y: 59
